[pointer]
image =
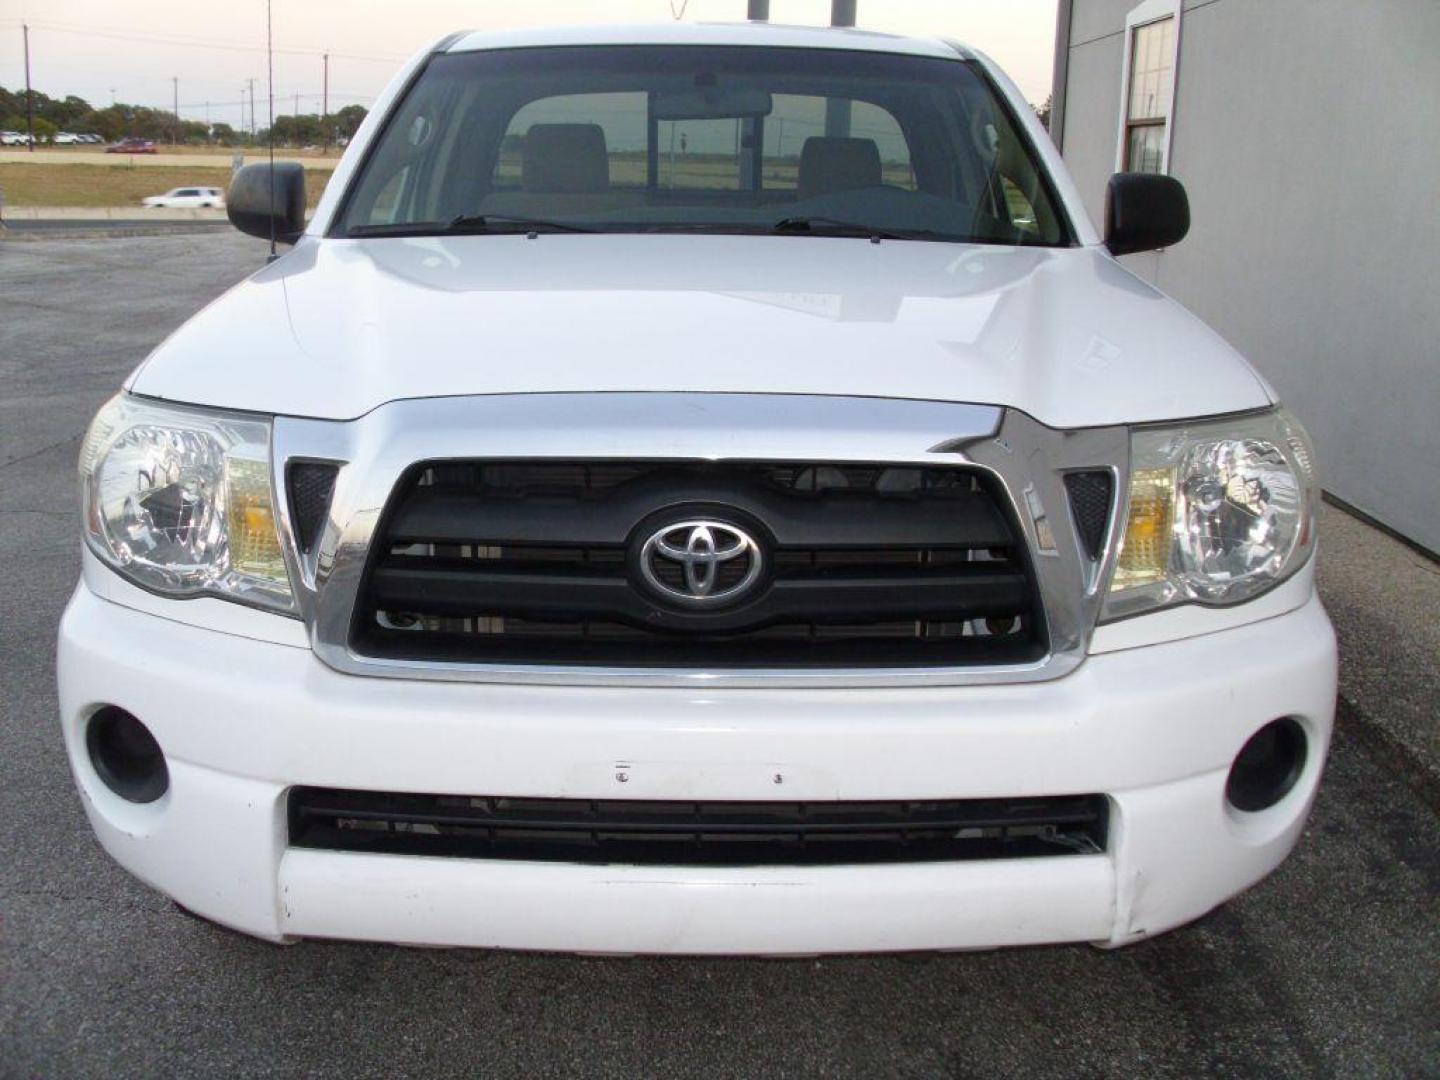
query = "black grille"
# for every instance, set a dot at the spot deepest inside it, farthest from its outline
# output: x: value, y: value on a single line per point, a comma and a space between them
x: 1090, y: 497
x: 533, y: 562
x: 696, y: 833
x: 310, y: 485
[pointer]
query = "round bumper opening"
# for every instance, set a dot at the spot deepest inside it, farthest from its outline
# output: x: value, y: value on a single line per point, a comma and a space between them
x: 126, y: 756
x: 1267, y: 766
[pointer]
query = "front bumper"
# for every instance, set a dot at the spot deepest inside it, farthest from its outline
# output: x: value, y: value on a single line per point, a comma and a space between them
x: 240, y: 721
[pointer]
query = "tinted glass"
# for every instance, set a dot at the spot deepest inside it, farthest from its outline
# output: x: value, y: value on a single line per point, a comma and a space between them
x: 1145, y: 148
x: 1152, y: 78
x: 704, y: 139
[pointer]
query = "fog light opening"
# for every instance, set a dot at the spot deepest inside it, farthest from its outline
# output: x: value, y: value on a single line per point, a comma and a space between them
x: 1267, y: 766
x: 126, y: 756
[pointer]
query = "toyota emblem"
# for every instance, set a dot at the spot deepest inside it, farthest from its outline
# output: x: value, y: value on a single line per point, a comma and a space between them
x: 687, y: 562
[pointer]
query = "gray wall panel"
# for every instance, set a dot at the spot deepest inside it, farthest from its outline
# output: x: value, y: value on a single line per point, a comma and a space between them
x: 1092, y: 99
x: 1307, y: 133
x: 1098, y: 18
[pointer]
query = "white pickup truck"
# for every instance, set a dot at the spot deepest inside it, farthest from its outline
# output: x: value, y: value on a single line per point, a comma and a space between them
x: 698, y: 489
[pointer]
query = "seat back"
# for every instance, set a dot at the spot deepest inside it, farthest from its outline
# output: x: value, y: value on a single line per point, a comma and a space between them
x: 565, y: 158
x: 833, y: 163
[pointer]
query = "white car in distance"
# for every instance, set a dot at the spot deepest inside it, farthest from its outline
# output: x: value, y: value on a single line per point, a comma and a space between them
x: 186, y: 197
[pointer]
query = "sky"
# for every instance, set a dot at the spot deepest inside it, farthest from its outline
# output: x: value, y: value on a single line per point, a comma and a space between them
x: 130, y: 50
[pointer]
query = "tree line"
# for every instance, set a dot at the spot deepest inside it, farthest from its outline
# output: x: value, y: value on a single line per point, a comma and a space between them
x: 121, y: 121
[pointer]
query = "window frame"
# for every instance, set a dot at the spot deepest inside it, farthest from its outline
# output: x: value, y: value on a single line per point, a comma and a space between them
x: 1142, y: 15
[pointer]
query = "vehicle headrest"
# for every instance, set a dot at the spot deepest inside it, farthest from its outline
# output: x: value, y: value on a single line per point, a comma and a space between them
x: 567, y: 158
x: 833, y: 163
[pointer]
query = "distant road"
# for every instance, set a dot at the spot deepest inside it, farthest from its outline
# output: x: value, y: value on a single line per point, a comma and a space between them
x: 13, y: 155
x: 58, y: 227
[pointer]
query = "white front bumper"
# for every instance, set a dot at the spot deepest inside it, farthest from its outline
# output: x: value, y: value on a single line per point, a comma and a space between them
x: 241, y: 721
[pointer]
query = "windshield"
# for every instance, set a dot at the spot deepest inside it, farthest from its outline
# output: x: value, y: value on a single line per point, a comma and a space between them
x: 703, y: 139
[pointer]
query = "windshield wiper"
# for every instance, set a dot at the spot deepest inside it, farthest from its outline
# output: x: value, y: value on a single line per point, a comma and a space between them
x: 837, y: 227
x: 467, y: 224
x: 506, y: 223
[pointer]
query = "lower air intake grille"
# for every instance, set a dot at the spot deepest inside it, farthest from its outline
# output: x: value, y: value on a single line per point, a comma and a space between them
x: 540, y: 563
x: 696, y: 833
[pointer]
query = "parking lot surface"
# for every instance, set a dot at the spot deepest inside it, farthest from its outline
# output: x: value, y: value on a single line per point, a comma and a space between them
x: 1327, y: 968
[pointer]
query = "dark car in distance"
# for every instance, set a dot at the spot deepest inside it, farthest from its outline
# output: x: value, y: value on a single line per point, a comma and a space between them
x: 132, y: 146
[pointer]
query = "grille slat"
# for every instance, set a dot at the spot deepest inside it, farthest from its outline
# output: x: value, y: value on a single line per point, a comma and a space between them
x: 822, y: 600
x: 650, y: 832
x: 836, y: 519
x: 533, y: 562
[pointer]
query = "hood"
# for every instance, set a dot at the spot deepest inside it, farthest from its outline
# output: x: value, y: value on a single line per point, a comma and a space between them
x: 338, y: 327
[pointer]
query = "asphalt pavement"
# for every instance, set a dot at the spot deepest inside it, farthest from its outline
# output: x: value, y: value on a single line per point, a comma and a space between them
x: 1328, y: 968
x: 25, y: 228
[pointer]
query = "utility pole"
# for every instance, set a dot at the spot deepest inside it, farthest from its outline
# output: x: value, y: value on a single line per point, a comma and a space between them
x: 175, y: 130
x: 29, y: 97
x: 837, y: 110
x: 758, y: 11
x: 252, y: 108
x: 325, y: 106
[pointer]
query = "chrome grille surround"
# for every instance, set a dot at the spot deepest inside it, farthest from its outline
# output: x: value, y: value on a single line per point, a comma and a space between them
x: 374, y: 452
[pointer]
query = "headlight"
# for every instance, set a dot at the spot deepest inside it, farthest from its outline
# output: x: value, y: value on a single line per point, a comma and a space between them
x: 179, y: 501
x: 1218, y: 512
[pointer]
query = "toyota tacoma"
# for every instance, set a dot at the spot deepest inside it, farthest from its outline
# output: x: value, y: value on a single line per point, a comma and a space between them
x: 698, y: 489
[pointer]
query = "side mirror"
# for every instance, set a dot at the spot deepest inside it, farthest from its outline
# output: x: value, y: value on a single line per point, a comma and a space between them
x: 260, y: 199
x: 1144, y: 211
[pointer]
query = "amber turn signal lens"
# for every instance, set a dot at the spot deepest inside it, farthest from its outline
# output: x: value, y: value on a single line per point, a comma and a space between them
x: 254, y: 540
x: 1145, y: 548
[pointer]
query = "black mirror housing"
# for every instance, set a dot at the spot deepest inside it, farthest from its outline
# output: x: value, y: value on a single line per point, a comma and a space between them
x: 1144, y: 211
x: 260, y: 199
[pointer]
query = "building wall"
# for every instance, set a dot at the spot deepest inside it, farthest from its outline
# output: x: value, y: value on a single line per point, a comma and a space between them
x: 1307, y: 133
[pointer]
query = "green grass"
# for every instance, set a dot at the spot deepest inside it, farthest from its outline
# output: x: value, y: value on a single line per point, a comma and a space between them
x: 26, y: 184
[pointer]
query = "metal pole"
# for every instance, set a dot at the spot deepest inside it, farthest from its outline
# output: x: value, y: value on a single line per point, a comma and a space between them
x: 325, y: 106
x: 837, y: 110
x: 252, y: 108
x: 29, y: 97
x: 175, y: 130
x: 270, y: 113
x: 758, y: 11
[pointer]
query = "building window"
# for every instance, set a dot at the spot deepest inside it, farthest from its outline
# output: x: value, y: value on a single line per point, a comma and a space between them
x: 1147, y: 94
x: 1152, y: 84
